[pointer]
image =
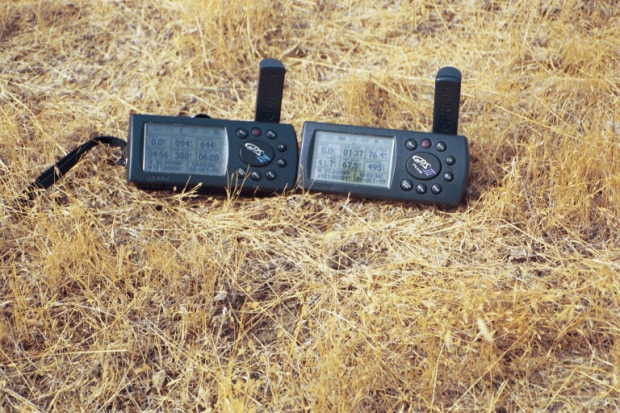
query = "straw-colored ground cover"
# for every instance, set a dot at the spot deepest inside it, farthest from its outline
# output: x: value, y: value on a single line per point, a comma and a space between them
x: 116, y: 299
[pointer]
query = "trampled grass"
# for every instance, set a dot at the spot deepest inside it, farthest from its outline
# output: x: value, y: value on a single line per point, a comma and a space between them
x: 116, y: 299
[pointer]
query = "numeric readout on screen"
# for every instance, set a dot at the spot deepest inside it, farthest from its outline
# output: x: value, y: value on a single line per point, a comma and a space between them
x: 351, y: 158
x: 185, y: 149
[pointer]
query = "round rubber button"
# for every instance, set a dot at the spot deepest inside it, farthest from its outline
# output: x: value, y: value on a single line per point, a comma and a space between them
x: 441, y: 146
x: 411, y: 144
x: 271, y: 134
x: 450, y: 160
x: 271, y: 175
x: 426, y: 143
x: 282, y: 147
x: 256, y: 153
x: 420, y: 188
x: 436, y: 189
x: 256, y: 132
x: 242, y: 133
x: 255, y: 175
x: 423, y: 166
x: 281, y: 163
x: 448, y: 176
x: 406, y: 185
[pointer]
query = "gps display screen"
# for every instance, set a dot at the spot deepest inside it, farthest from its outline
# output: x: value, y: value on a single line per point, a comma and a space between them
x: 352, y: 159
x: 183, y: 149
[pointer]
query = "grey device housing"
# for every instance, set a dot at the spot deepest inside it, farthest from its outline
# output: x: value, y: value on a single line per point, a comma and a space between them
x: 239, y: 173
x: 452, y: 190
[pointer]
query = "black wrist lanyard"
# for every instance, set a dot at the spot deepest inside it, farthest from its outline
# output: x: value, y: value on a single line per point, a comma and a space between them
x: 60, y: 168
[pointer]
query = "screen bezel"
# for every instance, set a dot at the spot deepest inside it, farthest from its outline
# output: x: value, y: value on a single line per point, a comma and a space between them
x: 307, y: 151
x: 391, y: 162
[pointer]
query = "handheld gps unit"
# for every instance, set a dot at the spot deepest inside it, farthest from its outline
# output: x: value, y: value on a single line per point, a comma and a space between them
x: 211, y: 154
x: 387, y: 163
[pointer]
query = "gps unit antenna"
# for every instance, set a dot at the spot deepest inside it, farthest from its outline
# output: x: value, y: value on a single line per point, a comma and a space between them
x: 447, y: 96
x: 270, y: 87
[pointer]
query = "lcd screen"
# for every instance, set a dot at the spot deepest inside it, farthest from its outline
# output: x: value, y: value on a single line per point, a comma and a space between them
x: 352, y: 159
x: 182, y: 149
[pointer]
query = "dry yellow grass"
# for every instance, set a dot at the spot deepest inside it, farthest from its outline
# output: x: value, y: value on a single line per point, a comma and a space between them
x: 115, y: 299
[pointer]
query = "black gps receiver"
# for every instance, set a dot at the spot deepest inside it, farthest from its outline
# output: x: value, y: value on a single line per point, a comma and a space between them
x: 211, y: 154
x: 202, y: 153
x: 388, y: 163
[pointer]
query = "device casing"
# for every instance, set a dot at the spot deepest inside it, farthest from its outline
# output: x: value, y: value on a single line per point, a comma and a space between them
x: 239, y: 173
x: 451, y: 194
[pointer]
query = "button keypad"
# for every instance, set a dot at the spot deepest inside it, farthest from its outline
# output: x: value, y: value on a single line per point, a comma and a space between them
x: 267, y: 155
x: 424, y: 163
